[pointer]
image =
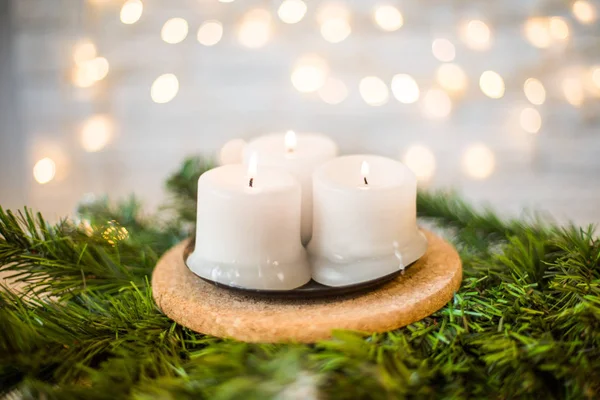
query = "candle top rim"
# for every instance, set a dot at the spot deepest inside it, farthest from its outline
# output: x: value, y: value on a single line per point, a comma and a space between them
x: 308, y: 145
x: 344, y: 173
x: 234, y: 178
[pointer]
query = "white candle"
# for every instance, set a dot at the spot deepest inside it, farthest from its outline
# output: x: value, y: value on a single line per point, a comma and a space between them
x: 365, y: 220
x: 298, y: 154
x: 248, y: 229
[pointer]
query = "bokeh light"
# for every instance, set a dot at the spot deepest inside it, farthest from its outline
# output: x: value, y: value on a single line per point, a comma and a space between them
x: 477, y: 35
x: 99, y: 68
x: 335, y: 30
x: 85, y: 74
x: 174, y: 31
x: 492, y: 84
x: 332, y: 10
x: 388, y: 18
x: 131, y: 11
x: 573, y: 91
x: 537, y: 32
x: 255, y: 30
x: 292, y: 11
x: 373, y: 91
x: 83, y: 51
x: 405, y: 88
x: 210, y: 33
x: 478, y: 161
x: 443, y: 50
x: 96, y: 132
x: 164, y: 88
x: 534, y: 91
x: 334, y: 91
x: 44, y: 170
x: 596, y: 76
x: 420, y: 160
x: 436, y: 104
x: 310, y: 73
x: 559, y: 29
x: 584, y: 11
x: 452, y: 78
x: 531, y: 120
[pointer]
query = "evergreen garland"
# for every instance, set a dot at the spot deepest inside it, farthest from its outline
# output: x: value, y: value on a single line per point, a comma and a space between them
x: 525, y: 323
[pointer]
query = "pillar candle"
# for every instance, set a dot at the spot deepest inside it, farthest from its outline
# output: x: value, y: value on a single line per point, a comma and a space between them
x: 248, y: 229
x: 298, y: 154
x: 364, y: 220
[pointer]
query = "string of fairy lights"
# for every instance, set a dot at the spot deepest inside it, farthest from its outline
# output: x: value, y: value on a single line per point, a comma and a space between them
x: 311, y: 73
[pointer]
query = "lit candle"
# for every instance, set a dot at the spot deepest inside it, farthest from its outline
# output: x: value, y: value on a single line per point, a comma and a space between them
x: 248, y: 228
x: 365, y: 220
x: 298, y: 154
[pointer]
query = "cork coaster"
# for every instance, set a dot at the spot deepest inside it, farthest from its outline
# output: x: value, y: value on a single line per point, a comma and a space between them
x: 425, y: 288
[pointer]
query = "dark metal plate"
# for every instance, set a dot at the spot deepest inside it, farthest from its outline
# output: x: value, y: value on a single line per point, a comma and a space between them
x: 311, y: 290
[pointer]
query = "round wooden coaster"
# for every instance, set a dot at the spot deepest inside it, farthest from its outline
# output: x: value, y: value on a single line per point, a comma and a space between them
x: 425, y: 288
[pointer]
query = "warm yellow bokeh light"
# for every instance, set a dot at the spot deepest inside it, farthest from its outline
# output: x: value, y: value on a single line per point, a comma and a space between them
x: 573, y: 91
x: 335, y: 30
x: 443, y: 50
x: 452, y: 78
x: 478, y: 161
x: 596, y: 76
x: 534, y: 91
x: 210, y: 33
x: 436, y: 104
x: 255, y: 30
x: 83, y: 51
x: 174, y: 31
x: 99, y: 67
x: 421, y: 161
x: 96, y: 132
x: 559, y: 29
x: 334, y: 91
x: 83, y: 77
x: 332, y: 10
x: 491, y: 84
x: 476, y: 35
x: 584, y: 11
x: 292, y: 11
x: 537, y: 32
x: 44, y: 170
x: 131, y: 11
x: 373, y: 91
x: 405, y: 88
x: 388, y: 18
x: 164, y: 88
x: 531, y: 120
x: 309, y: 74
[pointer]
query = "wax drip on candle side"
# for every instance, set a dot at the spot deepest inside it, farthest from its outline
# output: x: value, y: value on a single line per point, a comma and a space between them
x: 290, y: 141
x: 252, y: 169
x: 364, y: 170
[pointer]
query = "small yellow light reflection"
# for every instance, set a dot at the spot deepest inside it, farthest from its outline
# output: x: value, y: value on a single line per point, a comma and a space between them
x: 421, y: 161
x: 292, y: 11
x: 164, y: 88
x: 210, y: 33
x: 559, y: 29
x: 44, y: 170
x: 96, y: 132
x: 584, y: 12
x: 255, y: 30
x: 335, y: 30
x: 443, y: 50
x: 174, y: 30
x: 309, y: 74
x: 131, y: 11
x: 452, y: 78
x: 476, y: 35
x: 534, y: 91
x: 83, y: 51
x: 531, y: 120
x: 436, y: 104
x: 373, y: 91
x: 334, y: 91
x: 537, y: 32
x: 573, y: 91
x: 492, y: 84
x: 115, y: 233
x: 478, y: 161
x: 405, y: 88
x: 388, y: 18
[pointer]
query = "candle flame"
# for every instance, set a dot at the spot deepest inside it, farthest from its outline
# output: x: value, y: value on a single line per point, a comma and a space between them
x: 364, y: 171
x: 252, y: 169
x: 290, y: 141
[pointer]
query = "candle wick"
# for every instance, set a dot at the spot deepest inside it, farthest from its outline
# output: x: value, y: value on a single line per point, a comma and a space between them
x: 251, y: 182
x: 365, y: 179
